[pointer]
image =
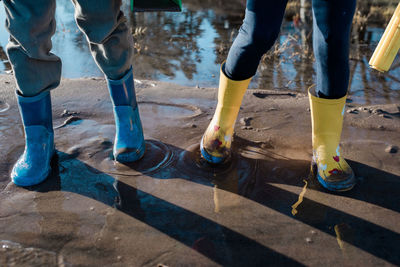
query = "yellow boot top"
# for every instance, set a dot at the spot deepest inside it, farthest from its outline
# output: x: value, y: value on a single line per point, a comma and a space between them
x: 218, y: 137
x: 327, y: 119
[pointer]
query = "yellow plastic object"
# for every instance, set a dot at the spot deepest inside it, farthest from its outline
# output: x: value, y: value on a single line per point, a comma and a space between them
x: 327, y: 118
x: 218, y: 136
x: 389, y: 44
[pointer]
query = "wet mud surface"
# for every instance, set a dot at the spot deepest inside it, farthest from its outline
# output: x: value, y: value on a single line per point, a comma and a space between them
x: 171, y: 208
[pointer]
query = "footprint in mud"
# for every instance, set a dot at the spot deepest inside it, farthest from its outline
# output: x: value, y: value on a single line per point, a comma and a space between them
x: 166, y: 113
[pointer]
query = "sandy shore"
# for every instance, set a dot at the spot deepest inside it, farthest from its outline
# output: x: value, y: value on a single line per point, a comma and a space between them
x: 172, y: 209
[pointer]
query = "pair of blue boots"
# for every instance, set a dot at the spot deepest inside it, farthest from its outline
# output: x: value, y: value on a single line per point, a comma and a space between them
x: 33, y: 166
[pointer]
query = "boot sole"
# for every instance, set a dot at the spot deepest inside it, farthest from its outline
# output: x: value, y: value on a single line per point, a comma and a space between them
x: 342, y: 186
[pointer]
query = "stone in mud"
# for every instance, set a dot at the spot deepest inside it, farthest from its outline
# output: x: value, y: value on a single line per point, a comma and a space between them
x: 266, y: 145
x: 377, y: 111
x: 66, y: 112
x: 352, y: 111
x: 245, y: 121
x: 385, y: 116
x: 364, y: 109
x: 391, y: 149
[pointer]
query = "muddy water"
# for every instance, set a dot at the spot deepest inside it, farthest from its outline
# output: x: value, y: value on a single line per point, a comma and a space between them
x: 190, y: 46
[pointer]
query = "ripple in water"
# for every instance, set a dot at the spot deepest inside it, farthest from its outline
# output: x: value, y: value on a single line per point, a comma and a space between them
x: 157, y: 156
x: 193, y: 164
x: 14, y: 254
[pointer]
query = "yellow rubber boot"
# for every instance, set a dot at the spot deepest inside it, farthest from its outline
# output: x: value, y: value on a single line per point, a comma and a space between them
x: 327, y: 118
x: 215, y: 145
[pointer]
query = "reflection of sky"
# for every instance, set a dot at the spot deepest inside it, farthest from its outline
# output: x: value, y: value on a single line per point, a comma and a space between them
x: 71, y: 46
x: 68, y: 43
x: 3, y: 34
x: 207, y: 68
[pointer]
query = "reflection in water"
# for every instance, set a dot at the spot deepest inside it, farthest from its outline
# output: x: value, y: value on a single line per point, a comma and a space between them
x: 301, y: 195
x: 188, y: 47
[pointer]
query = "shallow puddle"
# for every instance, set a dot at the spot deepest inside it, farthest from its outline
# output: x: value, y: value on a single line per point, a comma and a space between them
x: 188, y: 47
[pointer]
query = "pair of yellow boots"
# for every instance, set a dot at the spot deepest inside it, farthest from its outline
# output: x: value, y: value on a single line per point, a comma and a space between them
x: 327, y: 118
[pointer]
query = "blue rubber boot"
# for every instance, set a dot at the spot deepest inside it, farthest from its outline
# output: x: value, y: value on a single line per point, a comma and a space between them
x: 129, y: 142
x: 33, y: 166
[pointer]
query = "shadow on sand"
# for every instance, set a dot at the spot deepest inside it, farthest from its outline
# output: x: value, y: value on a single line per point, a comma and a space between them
x: 253, y: 174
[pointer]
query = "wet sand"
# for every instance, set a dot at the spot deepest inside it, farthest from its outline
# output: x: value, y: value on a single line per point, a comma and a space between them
x: 172, y: 209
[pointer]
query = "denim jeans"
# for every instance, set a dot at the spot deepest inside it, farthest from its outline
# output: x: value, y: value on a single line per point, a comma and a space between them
x: 331, y: 39
x: 31, y: 25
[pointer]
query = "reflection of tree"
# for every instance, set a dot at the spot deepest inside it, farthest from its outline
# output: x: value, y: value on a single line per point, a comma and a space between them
x: 66, y: 25
x: 227, y: 26
x: 172, y: 44
x: 168, y: 42
x: 4, y: 58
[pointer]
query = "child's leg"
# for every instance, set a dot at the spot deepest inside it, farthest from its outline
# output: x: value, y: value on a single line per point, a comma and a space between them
x: 111, y: 43
x: 256, y: 36
x: 332, y: 24
x: 31, y: 25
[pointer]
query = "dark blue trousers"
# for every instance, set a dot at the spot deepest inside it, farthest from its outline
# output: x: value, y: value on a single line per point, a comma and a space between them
x: 331, y: 39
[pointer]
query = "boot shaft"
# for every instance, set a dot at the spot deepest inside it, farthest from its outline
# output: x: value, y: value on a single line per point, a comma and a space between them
x: 326, y: 119
x: 36, y: 110
x: 122, y: 91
